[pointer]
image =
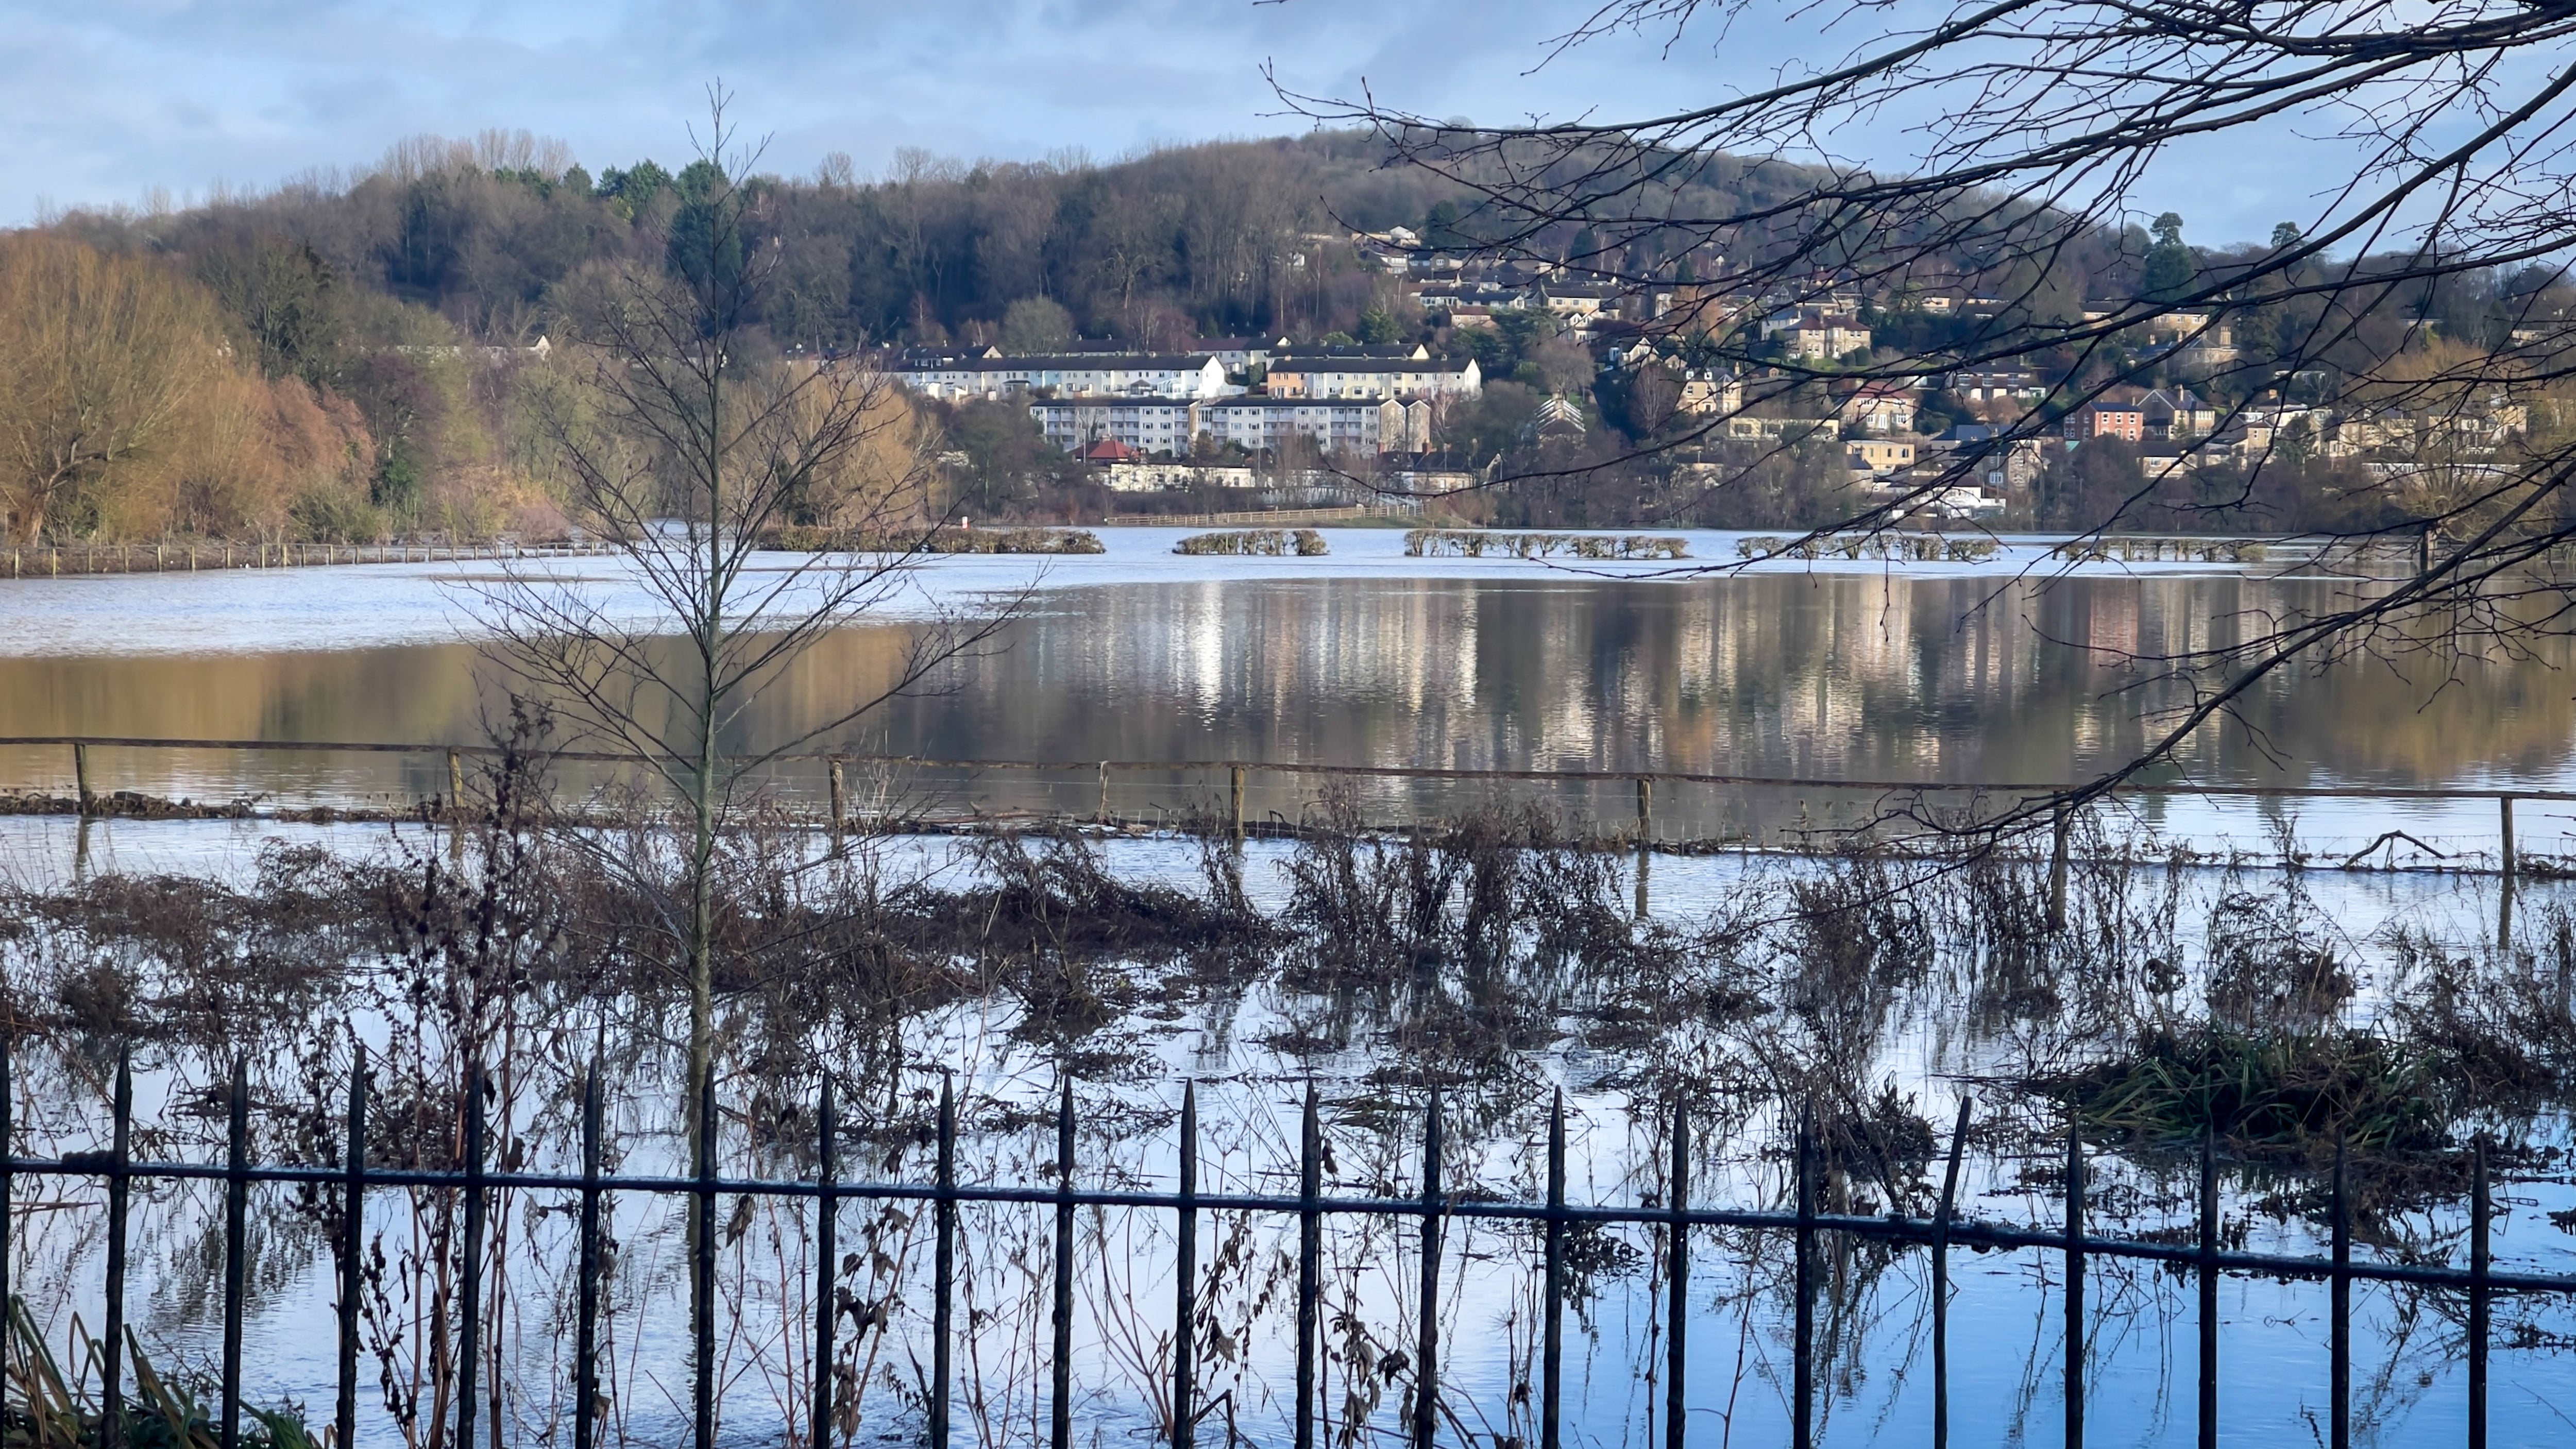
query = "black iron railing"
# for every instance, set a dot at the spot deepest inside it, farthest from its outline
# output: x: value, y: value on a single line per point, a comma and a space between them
x: 1673, y: 1219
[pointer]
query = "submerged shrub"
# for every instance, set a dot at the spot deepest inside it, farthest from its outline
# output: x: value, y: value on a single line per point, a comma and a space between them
x: 2285, y: 1091
x: 1264, y: 542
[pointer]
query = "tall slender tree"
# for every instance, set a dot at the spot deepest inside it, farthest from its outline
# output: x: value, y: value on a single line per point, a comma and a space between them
x: 690, y: 453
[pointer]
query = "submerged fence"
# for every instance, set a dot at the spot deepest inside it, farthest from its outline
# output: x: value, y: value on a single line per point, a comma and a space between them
x: 90, y: 799
x: 1899, y: 803
x: 1674, y: 1220
x: 196, y: 555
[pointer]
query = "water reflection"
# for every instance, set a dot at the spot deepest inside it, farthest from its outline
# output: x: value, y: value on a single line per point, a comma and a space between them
x: 1881, y: 676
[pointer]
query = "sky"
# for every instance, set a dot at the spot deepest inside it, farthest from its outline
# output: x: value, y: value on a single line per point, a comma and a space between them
x: 112, y: 102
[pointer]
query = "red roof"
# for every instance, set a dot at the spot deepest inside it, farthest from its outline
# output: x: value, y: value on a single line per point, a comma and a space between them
x: 1110, y: 450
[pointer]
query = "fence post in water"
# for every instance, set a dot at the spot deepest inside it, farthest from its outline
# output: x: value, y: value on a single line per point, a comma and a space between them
x: 236, y: 1207
x: 112, y: 1398
x: 943, y: 1287
x: 2059, y: 825
x: 1310, y: 1264
x: 1645, y: 837
x: 1941, y: 1281
x: 8, y: 1119
x: 1426, y: 1347
x: 1237, y: 780
x: 455, y: 792
x: 1185, y: 1305
x: 1102, y: 817
x: 840, y: 804
x: 585, y: 1352
x: 2209, y: 1290
x: 1802, y: 1401
x: 2074, y: 1289
x: 80, y: 777
x: 2478, y: 1296
x: 827, y: 1211
x: 702, y: 1271
x: 469, y: 1331
x: 2505, y: 873
x: 1061, y: 1364
x: 1677, y: 1285
x: 2339, y: 1344
x: 352, y: 1235
x: 1551, y: 1396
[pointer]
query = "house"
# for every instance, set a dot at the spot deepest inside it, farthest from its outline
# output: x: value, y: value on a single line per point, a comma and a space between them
x: 1878, y: 455
x: 2103, y: 418
x: 2189, y: 327
x: 1773, y: 430
x: 1242, y: 354
x: 1453, y: 295
x: 1068, y: 375
x: 2000, y: 462
x: 1996, y: 384
x: 1374, y: 377
x: 1827, y: 336
x: 1881, y: 407
x: 1579, y: 302
x: 2177, y: 413
x: 1155, y: 477
x: 1349, y: 425
x: 1148, y: 425
x: 1710, y: 390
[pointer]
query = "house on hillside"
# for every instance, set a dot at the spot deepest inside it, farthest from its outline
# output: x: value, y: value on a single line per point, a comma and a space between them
x: 1708, y: 390
x: 1996, y: 384
x: 1068, y: 375
x: 1881, y: 407
x: 1878, y: 455
x: 2104, y: 418
x: 1374, y: 377
x: 1148, y: 425
x: 1350, y: 425
x: 1823, y: 337
x: 2173, y: 414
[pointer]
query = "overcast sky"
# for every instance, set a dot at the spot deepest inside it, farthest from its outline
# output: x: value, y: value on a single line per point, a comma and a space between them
x: 103, y: 101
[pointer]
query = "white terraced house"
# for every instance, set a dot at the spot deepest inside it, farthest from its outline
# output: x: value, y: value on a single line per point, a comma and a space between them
x: 1077, y: 375
x: 1351, y: 425
x: 1374, y: 377
x: 1151, y: 425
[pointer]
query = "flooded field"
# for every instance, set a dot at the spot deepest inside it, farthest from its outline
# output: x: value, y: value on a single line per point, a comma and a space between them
x: 2203, y: 985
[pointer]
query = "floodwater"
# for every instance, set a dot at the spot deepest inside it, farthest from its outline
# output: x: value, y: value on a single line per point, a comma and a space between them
x: 2006, y: 672
x: 2018, y: 671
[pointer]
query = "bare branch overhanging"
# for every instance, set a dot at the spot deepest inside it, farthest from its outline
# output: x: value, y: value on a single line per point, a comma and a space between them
x: 2030, y: 129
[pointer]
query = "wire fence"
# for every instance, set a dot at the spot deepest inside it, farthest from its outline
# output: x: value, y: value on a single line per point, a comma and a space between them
x: 2451, y: 830
x: 1674, y: 1220
x: 197, y: 555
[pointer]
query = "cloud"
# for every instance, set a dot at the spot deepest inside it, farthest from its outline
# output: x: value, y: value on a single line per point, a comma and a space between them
x: 110, y: 100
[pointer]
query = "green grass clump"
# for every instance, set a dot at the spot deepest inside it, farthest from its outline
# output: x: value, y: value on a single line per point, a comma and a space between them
x: 45, y: 1409
x: 2291, y: 1092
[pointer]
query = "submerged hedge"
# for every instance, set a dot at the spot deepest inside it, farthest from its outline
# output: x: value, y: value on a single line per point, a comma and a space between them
x: 1267, y: 542
x: 1477, y: 543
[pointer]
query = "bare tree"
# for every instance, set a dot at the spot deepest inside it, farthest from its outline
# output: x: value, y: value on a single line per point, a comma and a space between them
x: 2015, y: 200
x: 694, y: 455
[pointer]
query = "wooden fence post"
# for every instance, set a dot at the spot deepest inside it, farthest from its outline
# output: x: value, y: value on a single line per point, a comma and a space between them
x: 2058, y: 828
x: 2505, y: 872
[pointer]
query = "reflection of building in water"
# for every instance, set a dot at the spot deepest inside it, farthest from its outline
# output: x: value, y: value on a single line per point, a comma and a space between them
x: 2113, y: 622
